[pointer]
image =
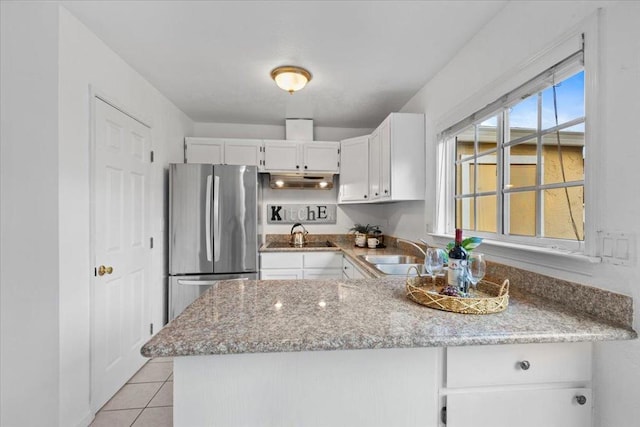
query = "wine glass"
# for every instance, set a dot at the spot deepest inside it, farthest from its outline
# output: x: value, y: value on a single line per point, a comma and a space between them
x: 434, y: 262
x: 476, y: 268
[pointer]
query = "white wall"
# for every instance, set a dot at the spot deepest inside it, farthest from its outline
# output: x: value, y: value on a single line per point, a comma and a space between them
x: 29, y: 283
x: 86, y: 61
x: 499, y: 52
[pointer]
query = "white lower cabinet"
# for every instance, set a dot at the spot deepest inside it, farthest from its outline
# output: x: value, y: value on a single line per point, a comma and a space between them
x: 350, y: 271
x: 518, y: 385
x: 521, y: 408
x: 300, y: 265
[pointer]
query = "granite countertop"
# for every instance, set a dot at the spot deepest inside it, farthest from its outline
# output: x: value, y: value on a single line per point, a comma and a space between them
x: 309, y: 315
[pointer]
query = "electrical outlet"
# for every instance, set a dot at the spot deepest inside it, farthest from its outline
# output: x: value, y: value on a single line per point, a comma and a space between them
x: 617, y: 248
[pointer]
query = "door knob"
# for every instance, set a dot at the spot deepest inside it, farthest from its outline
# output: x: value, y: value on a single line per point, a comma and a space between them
x: 102, y: 270
x: 524, y: 365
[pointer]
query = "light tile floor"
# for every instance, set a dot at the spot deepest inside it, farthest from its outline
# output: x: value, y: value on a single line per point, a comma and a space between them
x: 146, y: 400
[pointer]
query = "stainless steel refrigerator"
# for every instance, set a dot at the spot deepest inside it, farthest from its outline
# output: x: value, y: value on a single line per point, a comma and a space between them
x: 213, y: 231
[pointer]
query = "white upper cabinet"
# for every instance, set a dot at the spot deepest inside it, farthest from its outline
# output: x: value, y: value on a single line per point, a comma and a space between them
x: 399, y: 173
x: 281, y: 156
x: 323, y: 156
x: 354, y: 170
x: 204, y: 150
x: 222, y: 151
x: 298, y: 156
x: 375, y: 159
x: 242, y: 152
x: 396, y: 159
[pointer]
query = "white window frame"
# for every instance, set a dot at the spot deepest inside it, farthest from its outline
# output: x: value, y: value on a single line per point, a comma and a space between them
x: 552, y: 252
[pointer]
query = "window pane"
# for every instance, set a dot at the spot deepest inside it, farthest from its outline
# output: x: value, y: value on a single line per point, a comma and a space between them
x: 487, y: 173
x: 487, y: 135
x: 486, y: 213
x: 464, y: 214
x: 569, y: 100
x: 522, y: 213
x: 523, y: 118
x: 570, y: 151
x: 521, y: 163
x: 465, y: 183
x: 464, y: 143
x: 557, y: 220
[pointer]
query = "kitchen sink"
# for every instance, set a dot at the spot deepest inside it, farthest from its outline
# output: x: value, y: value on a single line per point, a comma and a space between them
x: 391, y: 259
x: 399, y: 269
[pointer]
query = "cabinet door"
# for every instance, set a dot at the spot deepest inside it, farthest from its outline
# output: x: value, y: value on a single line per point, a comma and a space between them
x: 320, y: 156
x: 374, y: 165
x: 281, y: 156
x: 242, y: 152
x: 204, y: 150
x: 354, y: 169
x: 350, y: 270
x: 521, y: 408
x: 385, y: 158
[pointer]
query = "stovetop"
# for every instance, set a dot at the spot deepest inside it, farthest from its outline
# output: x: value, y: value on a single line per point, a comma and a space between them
x: 325, y: 244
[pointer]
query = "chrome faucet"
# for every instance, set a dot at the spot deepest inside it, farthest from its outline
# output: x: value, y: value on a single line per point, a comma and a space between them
x: 412, y: 244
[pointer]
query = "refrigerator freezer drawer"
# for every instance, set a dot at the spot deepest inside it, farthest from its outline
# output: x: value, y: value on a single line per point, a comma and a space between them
x: 183, y: 290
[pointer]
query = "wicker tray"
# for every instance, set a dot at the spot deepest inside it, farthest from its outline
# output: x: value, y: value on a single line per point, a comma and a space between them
x: 488, y: 298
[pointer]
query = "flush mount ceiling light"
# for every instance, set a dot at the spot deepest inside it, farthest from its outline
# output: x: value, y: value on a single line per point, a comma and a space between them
x: 290, y: 78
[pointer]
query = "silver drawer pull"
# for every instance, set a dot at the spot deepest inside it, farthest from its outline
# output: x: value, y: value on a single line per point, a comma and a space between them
x: 524, y: 365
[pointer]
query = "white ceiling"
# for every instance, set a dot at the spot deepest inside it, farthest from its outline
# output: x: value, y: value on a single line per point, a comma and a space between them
x: 212, y: 58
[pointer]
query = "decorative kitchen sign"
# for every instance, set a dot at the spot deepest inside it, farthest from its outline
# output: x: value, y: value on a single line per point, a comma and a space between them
x: 305, y: 214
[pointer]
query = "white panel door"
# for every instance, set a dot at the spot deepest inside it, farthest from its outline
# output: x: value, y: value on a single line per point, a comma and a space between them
x: 120, y: 315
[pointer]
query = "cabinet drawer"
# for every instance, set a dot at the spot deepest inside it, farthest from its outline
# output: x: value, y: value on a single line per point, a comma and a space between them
x: 281, y: 260
x: 322, y: 260
x: 521, y: 408
x: 518, y: 364
x: 322, y: 274
x: 281, y: 274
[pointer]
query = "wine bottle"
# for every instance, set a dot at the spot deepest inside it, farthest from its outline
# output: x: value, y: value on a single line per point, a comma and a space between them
x: 457, y: 262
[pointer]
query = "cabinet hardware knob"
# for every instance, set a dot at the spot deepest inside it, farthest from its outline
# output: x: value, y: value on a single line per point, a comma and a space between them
x: 386, y: 191
x: 581, y: 400
x: 365, y: 196
x: 305, y: 166
x: 376, y: 194
x: 524, y: 365
x: 297, y: 166
x: 102, y: 270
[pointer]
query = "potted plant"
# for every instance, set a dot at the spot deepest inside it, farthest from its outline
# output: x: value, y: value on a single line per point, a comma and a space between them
x: 362, y: 232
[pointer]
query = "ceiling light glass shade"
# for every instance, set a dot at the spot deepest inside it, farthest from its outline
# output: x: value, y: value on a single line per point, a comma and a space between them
x: 290, y: 78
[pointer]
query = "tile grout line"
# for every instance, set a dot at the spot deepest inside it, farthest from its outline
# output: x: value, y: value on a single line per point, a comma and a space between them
x: 147, y: 404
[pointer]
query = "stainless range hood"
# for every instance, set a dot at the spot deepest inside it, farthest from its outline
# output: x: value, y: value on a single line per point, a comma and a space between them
x: 297, y: 181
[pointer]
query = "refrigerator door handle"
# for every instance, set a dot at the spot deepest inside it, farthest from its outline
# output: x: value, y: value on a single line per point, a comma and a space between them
x: 205, y: 282
x: 207, y: 221
x: 216, y: 218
